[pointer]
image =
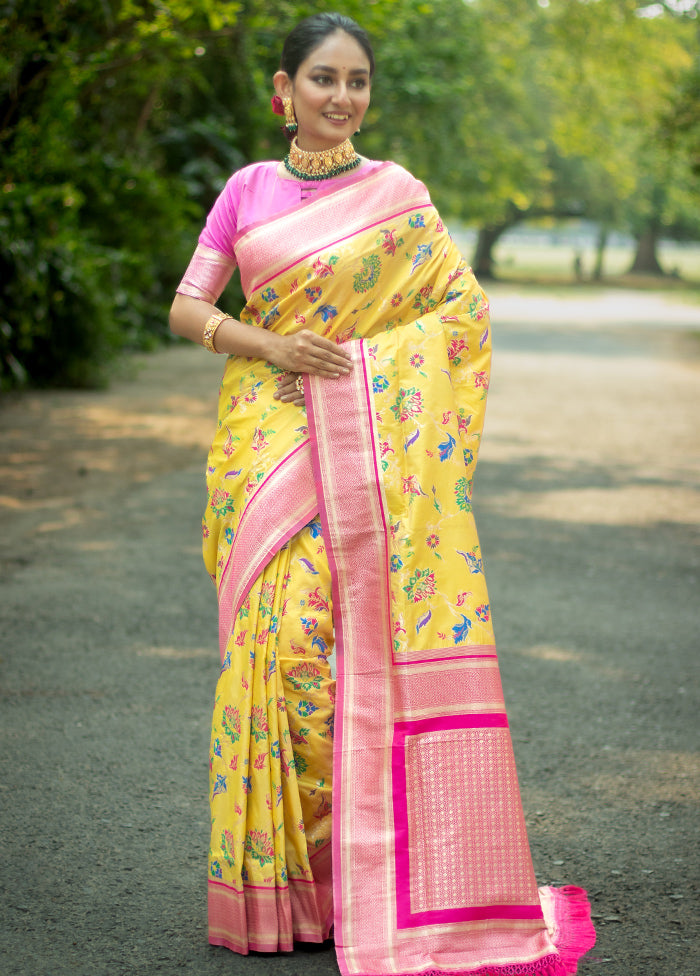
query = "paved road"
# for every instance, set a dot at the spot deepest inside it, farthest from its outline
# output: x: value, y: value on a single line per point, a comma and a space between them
x: 588, y: 502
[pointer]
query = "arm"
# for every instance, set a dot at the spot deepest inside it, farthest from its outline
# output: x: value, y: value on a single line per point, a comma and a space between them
x: 206, y: 277
x: 303, y: 352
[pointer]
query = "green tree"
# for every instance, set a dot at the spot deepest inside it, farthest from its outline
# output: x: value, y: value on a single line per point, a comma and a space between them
x: 667, y: 198
x: 599, y: 77
x: 88, y: 199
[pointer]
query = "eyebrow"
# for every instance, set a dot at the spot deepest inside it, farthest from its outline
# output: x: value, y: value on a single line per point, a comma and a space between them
x: 334, y: 71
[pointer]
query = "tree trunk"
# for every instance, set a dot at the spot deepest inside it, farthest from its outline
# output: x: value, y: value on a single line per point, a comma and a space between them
x: 600, y: 252
x: 645, y: 260
x: 483, y: 256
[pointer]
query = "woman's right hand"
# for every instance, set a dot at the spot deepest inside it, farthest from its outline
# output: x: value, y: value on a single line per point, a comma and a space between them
x: 303, y: 352
x: 290, y: 389
x: 307, y: 352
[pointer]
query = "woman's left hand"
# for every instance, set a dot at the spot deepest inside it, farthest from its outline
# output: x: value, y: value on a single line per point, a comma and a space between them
x: 288, y: 389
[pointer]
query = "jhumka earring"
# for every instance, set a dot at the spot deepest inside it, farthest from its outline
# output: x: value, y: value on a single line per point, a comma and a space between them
x: 290, y: 119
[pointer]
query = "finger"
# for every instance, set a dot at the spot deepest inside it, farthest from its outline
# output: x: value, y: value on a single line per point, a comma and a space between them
x: 320, y: 347
x: 286, y: 382
x: 329, y: 372
x: 333, y: 362
x: 290, y: 389
x: 332, y: 352
x: 326, y: 366
x: 317, y: 364
x: 296, y: 398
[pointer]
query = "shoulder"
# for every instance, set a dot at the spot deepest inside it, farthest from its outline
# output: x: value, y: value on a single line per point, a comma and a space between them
x: 400, y: 176
x: 256, y: 179
x: 254, y: 174
x: 403, y: 183
x: 403, y: 174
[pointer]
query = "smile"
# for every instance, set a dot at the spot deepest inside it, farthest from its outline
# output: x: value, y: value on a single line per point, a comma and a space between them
x: 336, y: 118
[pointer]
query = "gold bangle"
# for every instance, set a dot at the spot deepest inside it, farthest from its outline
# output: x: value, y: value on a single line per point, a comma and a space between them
x: 210, y: 330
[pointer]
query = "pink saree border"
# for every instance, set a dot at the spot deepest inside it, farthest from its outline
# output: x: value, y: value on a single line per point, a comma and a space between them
x: 248, y: 887
x: 346, y: 467
x: 302, y: 912
x: 325, y: 190
x: 362, y: 386
x: 391, y: 215
x: 439, y: 655
x: 281, y: 505
x: 388, y: 192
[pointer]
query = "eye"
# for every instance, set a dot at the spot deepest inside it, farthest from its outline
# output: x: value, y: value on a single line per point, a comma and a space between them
x: 359, y: 83
x: 323, y: 79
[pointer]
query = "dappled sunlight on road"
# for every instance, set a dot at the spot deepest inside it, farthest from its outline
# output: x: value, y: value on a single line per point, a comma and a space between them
x: 624, y: 505
x: 66, y: 456
x: 627, y: 778
x: 593, y: 308
x: 600, y: 428
x: 548, y: 652
x: 644, y: 775
x: 177, y: 653
x: 589, y: 659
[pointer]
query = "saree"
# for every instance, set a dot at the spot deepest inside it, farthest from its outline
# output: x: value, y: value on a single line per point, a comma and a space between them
x: 382, y: 804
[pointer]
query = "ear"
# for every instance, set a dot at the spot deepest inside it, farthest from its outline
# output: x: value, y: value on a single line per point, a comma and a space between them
x: 282, y: 83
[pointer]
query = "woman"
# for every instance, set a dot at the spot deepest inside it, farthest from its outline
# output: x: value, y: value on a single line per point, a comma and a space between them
x: 339, y: 520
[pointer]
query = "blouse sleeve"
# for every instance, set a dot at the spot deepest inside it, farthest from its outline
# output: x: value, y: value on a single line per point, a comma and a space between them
x: 214, y: 261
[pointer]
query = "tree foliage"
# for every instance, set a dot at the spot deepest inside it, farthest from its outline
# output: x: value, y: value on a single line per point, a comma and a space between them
x: 603, y: 76
x: 120, y: 121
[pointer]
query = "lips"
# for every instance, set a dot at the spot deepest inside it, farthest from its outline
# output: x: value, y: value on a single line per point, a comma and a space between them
x: 332, y: 117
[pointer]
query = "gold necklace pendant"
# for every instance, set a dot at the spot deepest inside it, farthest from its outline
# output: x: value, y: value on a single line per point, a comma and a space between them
x: 321, y: 165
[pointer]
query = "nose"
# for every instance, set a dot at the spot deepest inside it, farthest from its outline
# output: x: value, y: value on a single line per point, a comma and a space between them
x: 341, y: 95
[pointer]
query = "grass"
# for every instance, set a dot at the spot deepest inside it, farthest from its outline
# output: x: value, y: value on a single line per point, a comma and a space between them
x: 549, y: 263
x: 554, y: 264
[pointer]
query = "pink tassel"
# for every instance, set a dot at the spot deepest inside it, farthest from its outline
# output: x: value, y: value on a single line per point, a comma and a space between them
x: 568, y: 916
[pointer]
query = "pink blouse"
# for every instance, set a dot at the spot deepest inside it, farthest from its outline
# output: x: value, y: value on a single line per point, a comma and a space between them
x: 253, y: 194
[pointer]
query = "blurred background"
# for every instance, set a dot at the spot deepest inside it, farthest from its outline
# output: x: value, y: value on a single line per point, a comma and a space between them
x: 560, y: 138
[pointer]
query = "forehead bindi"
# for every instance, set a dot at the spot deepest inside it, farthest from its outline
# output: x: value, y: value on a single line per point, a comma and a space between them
x: 332, y: 69
x: 338, y: 53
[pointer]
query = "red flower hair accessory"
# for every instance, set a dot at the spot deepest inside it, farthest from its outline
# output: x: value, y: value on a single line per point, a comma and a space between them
x: 277, y: 106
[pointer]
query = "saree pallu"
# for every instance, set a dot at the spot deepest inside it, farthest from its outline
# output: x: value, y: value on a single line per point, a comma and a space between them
x: 349, y: 527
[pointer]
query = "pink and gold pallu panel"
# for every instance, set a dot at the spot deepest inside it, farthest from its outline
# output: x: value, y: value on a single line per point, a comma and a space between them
x: 432, y: 871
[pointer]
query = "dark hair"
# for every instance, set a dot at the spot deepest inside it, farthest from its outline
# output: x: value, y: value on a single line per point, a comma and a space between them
x: 311, y: 32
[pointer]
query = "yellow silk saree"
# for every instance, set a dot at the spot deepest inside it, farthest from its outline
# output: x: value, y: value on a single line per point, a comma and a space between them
x: 381, y: 805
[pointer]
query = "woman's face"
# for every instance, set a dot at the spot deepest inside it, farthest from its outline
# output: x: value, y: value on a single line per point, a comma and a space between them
x: 330, y: 92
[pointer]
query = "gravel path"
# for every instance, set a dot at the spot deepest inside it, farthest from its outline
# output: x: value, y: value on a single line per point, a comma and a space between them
x: 588, y: 501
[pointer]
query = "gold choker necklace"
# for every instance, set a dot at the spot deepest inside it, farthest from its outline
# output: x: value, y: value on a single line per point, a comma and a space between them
x: 321, y: 165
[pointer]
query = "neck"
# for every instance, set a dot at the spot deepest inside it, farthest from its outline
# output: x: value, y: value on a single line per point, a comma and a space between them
x: 323, y: 164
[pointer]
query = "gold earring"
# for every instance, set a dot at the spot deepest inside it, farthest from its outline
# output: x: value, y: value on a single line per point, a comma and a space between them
x: 290, y: 119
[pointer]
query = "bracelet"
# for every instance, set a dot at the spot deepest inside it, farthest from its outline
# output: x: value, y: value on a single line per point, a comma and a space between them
x: 210, y: 330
